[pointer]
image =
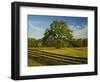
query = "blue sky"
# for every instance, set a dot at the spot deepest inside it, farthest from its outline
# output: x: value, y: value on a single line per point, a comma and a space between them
x: 38, y: 23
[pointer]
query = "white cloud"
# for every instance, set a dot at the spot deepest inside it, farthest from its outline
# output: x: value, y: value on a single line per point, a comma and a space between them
x: 78, y: 31
x: 34, y: 31
x: 32, y: 26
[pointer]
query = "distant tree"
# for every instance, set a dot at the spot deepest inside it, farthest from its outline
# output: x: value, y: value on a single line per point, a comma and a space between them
x: 85, y: 42
x: 58, y: 35
x: 32, y: 42
x: 79, y: 42
x: 39, y: 43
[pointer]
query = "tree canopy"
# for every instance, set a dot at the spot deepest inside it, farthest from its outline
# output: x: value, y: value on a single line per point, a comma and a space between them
x: 58, y: 35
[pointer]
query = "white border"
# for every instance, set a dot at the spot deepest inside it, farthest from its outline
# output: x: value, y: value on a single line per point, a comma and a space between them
x: 24, y: 70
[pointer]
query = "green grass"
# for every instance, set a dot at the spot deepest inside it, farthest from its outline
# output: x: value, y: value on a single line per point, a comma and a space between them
x: 33, y: 62
x: 76, y: 52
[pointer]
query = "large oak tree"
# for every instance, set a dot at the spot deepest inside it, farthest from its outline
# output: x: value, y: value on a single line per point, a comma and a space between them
x: 58, y: 35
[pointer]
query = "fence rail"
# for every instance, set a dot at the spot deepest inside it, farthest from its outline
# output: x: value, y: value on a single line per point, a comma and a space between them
x: 54, y: 59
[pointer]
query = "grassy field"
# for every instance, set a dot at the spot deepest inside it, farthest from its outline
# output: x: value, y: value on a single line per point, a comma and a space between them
x: 33, y: 62
x: 37, y: 59
x: 76, y: 52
